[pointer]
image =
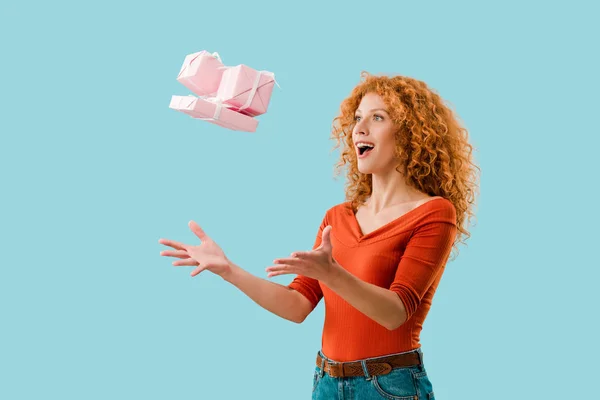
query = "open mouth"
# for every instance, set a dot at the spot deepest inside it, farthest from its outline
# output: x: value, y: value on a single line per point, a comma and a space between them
x: 364, y: 150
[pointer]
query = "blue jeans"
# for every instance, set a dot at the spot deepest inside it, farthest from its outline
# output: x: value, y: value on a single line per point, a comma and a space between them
x: 404, y: 383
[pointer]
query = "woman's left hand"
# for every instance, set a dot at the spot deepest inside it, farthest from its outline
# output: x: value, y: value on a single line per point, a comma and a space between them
x: 317, y: 264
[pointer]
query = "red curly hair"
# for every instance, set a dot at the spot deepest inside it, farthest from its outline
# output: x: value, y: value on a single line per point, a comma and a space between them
x: 431, y: 145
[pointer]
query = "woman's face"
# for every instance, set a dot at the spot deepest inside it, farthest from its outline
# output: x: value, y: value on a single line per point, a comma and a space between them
x: 374, y: 125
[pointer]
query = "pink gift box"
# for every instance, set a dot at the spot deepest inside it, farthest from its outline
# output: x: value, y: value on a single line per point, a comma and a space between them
x: 201, y: 72
x: 207, y: 109
x: 246, y: 89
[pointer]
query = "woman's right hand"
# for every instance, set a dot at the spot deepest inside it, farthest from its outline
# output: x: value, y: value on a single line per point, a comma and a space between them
x: 208, y: 255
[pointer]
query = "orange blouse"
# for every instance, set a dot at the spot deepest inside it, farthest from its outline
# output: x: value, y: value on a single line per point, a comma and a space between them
x: 406, y: 256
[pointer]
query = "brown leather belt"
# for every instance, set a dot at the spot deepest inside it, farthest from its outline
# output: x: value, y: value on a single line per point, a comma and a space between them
x: 380, y: 366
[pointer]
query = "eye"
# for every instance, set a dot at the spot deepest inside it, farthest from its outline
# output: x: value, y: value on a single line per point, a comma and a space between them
x: 356, y: 117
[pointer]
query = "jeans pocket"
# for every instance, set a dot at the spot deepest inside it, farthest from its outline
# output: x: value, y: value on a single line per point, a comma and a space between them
x: 316, y: 378
x: 423, y: 385
x: 399, y: 384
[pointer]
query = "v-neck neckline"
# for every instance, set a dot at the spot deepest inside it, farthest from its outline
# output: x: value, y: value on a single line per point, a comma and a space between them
x: 362, y: 237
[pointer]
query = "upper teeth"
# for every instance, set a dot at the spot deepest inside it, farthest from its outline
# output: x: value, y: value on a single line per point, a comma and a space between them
x: 364, y: 145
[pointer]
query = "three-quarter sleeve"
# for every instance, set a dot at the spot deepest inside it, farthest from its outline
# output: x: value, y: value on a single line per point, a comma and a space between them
x: 426, y: 254
x: 309, y: 287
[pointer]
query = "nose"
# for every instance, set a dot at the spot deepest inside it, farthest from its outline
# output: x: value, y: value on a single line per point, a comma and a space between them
x: 360, y: 128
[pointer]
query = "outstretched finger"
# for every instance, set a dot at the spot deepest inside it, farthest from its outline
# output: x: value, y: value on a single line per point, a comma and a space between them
x: 299, y: 254
x: 187, y: 262
x: 272, y: 274
x: 282, y: 268
x: 197, y: 270
x: 175, y: 253
x: 172, y: 243
x: 198, y: 231
x: 289, y: 261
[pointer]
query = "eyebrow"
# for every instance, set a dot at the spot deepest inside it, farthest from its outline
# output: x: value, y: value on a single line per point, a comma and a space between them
x: 375, y: 109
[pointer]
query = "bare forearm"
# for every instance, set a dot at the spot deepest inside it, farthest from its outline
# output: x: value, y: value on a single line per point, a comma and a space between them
x: 273, y: 297
x: 380, y: 304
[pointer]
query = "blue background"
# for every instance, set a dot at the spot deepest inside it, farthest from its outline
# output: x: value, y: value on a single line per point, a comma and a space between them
x: 95, y: 168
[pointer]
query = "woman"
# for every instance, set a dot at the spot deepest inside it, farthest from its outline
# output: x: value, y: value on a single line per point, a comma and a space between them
x: 378, y: 257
